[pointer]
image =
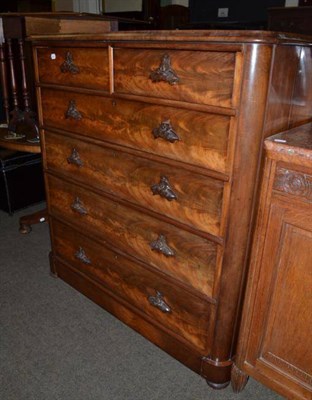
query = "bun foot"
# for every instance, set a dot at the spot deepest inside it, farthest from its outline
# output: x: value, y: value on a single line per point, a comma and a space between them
x: 36, y: 218
x: 24, y: 228
x: 217, y: 386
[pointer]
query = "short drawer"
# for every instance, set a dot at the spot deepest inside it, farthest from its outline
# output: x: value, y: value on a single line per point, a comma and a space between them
x: 192, y: 137
x: 200, y: 77
x: 185, y: 256
x: 163, y: 301
x: 79, y: 67
x: 190, y: 198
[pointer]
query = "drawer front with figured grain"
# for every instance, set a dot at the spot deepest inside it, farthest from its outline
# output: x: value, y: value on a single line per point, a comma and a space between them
x: 192, y: 199
x: 200, y: 77
x: 193, y: 137
x: 181, y: 254
x: 163, y: 301
x: 79, y: 67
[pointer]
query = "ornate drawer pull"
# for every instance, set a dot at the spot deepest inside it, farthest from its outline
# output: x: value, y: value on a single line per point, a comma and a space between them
x: 161, y: 246
x: 157, y: 301
x: 164, y: 72
x: 74, y: 158
x: 81, y: 256
x: 72, y: 111
x: 165, y: 131
x: 68, y: 65
x: 78, y: 206
x: 164, y: 189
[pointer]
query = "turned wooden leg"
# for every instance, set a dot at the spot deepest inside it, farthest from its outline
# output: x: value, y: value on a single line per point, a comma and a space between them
x: 28, y: 116
x: 238, y: 379
x: 4, y: 84
x: 36, y: 218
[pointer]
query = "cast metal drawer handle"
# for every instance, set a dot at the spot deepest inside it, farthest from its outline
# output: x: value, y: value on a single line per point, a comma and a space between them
x: 74, y: 158
x: 165, y: 131
x: 164, y: 72
x: 68, y: 64
x: 160, y: 245
x: 78, y: 206
x: 157, y: 301
x: 164, y: 189
x: 81, y: 256
x: 72, y: 111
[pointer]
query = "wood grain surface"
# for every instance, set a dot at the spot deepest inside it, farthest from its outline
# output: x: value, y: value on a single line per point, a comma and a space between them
x: 198, y: 200
x: 92, y: 64
x: 203, y: 137
x: 204, y: 77
x: 227, y: 92
x: 189, y: 315
x: 195, y: 257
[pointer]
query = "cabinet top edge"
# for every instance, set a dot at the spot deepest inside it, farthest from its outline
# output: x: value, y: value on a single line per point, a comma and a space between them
x: 293, y: 142
x: 228, y: 36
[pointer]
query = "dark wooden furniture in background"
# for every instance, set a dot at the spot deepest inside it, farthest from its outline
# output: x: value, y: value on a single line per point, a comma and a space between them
x: 20, y: 171
x: 242, y: 14
x: 23, y: 145
x: 17, y: 81
x: 173, y: 16
x: 290, y: 19
x: 22, y: 6
x: 275, y: 338
x: 147, y: 18
x: 152, y: 146
x: 305, y: 3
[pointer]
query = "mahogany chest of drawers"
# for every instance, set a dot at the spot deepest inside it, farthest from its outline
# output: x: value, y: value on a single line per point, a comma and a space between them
x: 152, y: 150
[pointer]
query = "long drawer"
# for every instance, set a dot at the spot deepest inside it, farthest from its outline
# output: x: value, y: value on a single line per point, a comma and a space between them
x: 193, y: 199
x: 201, y: 77
x: 164, y: 302
x: 185, y: 256
x: 79, y: 67
x: 192, y: 137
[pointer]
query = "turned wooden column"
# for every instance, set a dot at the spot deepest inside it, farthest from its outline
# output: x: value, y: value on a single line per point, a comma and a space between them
x: 4, y: 83
x: 15, y: 67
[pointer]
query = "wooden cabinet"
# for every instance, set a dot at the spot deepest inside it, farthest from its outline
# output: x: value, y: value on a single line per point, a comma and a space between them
x: 290, y: 19
x: 152, y: 143
x: 275, y: 343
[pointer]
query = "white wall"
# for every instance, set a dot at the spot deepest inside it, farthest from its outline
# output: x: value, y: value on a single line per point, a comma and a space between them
x: 88, y: 6
x: 63, y: 5
x: 164, y: 3
x: 122, y: 5
x: 291, y: 3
